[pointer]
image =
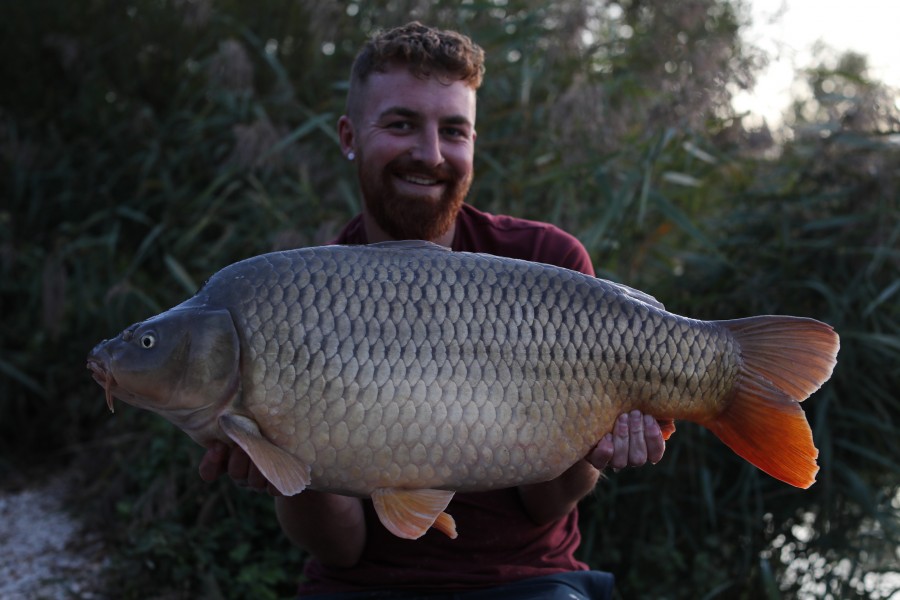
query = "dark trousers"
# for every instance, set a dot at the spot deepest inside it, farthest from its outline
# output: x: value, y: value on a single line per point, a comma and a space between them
x: 577, y: 585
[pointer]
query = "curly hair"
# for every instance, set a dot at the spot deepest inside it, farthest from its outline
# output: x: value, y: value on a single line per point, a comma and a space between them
x: 424, y: 50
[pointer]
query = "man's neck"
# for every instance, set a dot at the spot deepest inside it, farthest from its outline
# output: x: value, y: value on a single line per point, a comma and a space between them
x: 375, y: 234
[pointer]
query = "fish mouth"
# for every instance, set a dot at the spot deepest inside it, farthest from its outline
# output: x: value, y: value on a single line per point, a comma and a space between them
x: 101, y: 375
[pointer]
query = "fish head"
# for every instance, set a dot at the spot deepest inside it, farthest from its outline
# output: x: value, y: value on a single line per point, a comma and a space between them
x: 182, y: 364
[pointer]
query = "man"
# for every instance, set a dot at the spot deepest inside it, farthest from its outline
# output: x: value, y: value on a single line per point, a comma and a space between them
x: 410, y: 128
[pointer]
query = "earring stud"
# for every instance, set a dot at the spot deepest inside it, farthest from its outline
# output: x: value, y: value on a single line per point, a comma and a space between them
x: 351, y: 155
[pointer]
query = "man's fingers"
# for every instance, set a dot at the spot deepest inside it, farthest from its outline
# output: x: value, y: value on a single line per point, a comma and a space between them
x: 637, y: 447
x: 239, y: 466
x: 256, y: 480
x: 602, y: 453
x: 656, y: 445
x: 219, y: 459
x: 635, y: 439
x: 620, y: 443
x: 213, y: 462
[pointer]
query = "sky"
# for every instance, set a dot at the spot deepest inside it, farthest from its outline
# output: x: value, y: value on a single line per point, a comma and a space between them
x: 787, y: 30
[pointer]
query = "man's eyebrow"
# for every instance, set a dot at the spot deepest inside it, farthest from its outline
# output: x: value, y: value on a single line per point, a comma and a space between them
x: 398, y: 111
x: 456, y: 120
x: 402, y: 111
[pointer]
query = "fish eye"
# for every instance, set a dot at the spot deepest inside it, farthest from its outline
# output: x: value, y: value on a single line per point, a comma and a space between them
x: 147, y: 341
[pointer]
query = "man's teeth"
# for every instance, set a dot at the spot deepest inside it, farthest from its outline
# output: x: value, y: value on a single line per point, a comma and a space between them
x: 420, y: 180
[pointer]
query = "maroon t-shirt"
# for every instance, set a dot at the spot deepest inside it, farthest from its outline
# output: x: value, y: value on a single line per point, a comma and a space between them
x: 497, y: 541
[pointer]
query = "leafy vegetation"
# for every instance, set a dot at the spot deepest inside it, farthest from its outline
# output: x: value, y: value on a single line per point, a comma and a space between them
x: 145, y: 145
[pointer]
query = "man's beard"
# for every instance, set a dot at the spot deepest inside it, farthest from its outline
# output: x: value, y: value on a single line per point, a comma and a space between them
x: 410, y: 217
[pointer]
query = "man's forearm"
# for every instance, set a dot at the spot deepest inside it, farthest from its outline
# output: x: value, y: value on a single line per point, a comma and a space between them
x: 551, y: 500
x: 330, y: 527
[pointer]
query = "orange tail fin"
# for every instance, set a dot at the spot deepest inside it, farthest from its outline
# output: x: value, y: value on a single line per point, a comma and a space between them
x: 785, y: 359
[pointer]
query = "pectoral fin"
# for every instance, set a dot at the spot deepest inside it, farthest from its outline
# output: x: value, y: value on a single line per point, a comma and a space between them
x: 284, y: 470
x: 410, y: 513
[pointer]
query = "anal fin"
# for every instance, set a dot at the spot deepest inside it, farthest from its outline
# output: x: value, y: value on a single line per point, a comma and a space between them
x: 284, y: 470
x: 666, y: 427
x: 410, y: 513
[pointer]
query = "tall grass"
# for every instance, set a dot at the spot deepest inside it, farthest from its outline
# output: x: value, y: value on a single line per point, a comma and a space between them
x: 814, y: 234
x: 145, y: 146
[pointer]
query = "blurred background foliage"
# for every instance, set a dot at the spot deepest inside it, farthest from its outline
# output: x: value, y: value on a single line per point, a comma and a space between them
x: 146, y: 144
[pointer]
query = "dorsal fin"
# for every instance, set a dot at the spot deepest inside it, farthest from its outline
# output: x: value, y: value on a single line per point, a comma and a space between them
x: 408, y: 245
x: 638, y: 295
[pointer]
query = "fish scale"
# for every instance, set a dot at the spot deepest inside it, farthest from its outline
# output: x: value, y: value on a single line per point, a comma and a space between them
x: 406, y: 372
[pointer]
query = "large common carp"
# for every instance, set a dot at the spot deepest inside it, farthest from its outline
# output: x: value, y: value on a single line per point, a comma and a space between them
x: 406, y: 372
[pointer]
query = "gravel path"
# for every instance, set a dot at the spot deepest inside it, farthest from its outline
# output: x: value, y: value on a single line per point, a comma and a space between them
x: 45, y: 552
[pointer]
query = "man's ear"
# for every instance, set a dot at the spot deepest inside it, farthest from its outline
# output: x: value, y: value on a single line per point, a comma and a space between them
x: 346, y: 134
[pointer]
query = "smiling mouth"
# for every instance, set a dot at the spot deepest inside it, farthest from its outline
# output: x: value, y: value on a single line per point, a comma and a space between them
x: 419, y: 179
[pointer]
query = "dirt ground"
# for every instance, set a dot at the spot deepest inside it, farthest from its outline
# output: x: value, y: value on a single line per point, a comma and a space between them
x: 46, y: 553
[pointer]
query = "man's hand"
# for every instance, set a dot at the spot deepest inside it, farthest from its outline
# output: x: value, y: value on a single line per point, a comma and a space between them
x: 220, y: 459
x: 635, y: 439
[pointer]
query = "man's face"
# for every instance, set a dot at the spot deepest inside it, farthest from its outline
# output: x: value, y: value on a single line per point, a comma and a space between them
x: 414, y: 140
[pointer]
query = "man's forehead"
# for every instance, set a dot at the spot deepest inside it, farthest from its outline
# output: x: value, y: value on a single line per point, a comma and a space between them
x: 397, y: 90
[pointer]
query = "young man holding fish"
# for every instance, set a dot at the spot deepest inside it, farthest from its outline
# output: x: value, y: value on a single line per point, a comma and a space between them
x: 410, y: 128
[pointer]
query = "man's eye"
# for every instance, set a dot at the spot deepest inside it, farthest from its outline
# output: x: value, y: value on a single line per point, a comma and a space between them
x: 401, y: 125
x: 454, y: 132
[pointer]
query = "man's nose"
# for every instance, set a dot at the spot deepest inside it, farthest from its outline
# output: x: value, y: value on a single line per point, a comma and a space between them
x: 427, y: 149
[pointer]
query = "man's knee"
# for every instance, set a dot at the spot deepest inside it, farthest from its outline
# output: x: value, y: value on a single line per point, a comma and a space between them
x: 575, y: 585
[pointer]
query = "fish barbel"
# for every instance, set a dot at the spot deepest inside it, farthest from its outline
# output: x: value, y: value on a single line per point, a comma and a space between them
x: 406, y: 372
